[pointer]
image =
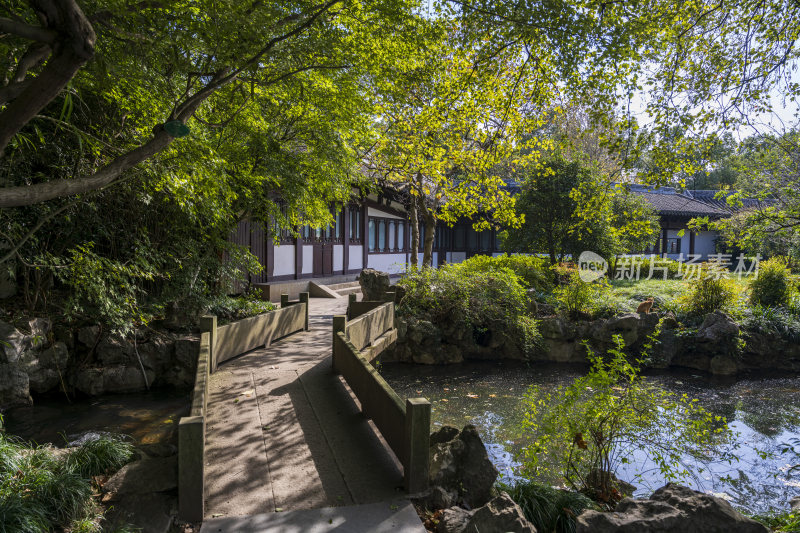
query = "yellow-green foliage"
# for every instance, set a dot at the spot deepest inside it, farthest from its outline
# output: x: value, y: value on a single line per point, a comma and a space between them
x: 710, y: 291
x: 532, y: 271
x: 773, y: 286
x: 577, y: 298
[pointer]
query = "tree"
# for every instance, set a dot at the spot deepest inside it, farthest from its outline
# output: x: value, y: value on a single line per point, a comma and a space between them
x: 163, y: 65
x: 447, y: 118
x: 568, y: 208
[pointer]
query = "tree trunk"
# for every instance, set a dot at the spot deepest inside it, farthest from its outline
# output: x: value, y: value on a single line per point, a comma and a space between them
x: 412, y: 214
x: 430, y: 233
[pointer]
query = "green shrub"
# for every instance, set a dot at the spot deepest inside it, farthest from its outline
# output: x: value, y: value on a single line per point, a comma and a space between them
x: 773, y: 320
x: 773, y: 286
x: 710, y: 291
x: 548, y: 509
x: 40, y: 491
x: 579, y: 299
x: 532, y: 271
x: 229, y: 308
x: 785, y: 522
x: 479, y: 301
x: 596, y: 423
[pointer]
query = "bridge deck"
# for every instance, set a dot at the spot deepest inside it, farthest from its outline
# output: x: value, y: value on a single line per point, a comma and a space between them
x: 284, y: 433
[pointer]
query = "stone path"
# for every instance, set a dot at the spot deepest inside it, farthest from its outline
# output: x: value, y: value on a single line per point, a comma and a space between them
x: 284, y: 434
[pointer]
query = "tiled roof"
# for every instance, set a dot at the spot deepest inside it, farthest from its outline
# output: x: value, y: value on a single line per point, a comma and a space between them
x: 668, y: 201
x: 709, y: 197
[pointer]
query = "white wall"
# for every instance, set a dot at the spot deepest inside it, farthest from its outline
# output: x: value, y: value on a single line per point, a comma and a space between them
x: 371, y: 211
x: 356, y: 257
x: 308, y: 259
x: 338, y: 257
x: 704, y: 243
x: 457, y: 257
x: 391, y: 263
x: 284, y: 260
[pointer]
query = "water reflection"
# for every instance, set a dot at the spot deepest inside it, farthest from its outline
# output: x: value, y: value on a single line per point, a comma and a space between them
x: 148, y: 418
x: 764, y: 411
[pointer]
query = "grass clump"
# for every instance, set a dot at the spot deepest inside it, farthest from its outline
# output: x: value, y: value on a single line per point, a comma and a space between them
x: 548, y: 509
x: 42, y: 491
x: 229, y: 309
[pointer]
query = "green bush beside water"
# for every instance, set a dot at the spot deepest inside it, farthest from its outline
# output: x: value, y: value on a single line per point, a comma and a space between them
x: 549, y: 510
x: 41, y: 490
x: 479, y: 293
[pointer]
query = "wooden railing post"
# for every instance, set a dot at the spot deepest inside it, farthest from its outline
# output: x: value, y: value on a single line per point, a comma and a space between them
x: 191, y: 443
x: 339, y: 323
x: 208, y: 323
x: 284, y: 300
x: 417, y: 432
x: 304, y: 299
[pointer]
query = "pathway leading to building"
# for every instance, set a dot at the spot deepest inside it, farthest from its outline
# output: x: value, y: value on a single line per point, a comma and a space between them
x: 284, y: 434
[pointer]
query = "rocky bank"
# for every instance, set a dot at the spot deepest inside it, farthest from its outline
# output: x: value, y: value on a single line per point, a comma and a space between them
x: 89, y: 360
x: 719, y: 346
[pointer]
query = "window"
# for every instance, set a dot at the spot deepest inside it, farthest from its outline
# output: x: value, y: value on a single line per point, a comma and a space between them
x: 401, y: 238
x: 392, y: 226
x: 381, y: 235
x: 371, y: 235
x: 460, y: 238
x: 337, y: 228
x: 422, y: 237
x: 485, y: 239
x: 673, y: 246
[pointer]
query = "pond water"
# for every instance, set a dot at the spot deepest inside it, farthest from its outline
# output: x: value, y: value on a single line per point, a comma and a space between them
x: 764, y: 411
x: 148, y: 418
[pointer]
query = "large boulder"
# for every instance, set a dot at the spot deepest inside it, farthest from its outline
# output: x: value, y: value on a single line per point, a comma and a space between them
x: 374, y: 284
x: 14, y: 387
x: 453, y: 520
x: 460, y: 465
x: 12, y: 343
x: 670, y: 508
x: 501, y: 514
x: 718, y: 327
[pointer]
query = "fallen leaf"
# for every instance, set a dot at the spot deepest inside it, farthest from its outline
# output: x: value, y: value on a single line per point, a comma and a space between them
x: 471, y: 395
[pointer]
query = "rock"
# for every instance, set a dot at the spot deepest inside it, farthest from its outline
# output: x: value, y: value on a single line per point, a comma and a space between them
x: 444, y: 434
x: 39, y: 327
x: 399, y: 293
x: 718, y: 327
x: 626, y: 322
x: 794, y: 504
x: 14, y: 387
x: 670, y: 508
x: 159, y: 449
x: 439, y: 498
x: 46, y: 368
x: 723, y: 365
x: 148, y: 513
x: 88, y: 336
x: 669, y: 321
x: 12, y: 343
x: 374, y: 284
x: 113, y: 350
x: 121, y: 378
x: 461, y: 465
x: 186, y: 352
x: 594, y: 480
x: 501, y: 514
x: 155, y: 354
x: 454, y: 520
x: 150, y: 474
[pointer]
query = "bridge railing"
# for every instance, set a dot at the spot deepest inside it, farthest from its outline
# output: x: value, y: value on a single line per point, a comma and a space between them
x: 404, y: 425
x: 218, y: 344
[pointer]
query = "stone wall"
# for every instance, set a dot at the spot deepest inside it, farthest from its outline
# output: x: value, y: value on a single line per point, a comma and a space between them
x: 718, y: 346
x: 89, y: 360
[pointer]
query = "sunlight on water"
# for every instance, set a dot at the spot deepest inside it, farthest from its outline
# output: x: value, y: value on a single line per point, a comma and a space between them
x: 765, y: 412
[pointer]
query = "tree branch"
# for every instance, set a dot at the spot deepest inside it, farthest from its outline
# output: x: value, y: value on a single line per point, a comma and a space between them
x: 26, y: 31
x: 75, y: 46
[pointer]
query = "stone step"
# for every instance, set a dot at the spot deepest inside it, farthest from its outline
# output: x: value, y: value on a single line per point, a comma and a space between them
x: 348, y: 290
x: 384, y: 517
x: 346, y: 285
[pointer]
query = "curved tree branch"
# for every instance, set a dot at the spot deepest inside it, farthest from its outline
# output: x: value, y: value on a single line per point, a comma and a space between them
x: 71, y: 50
